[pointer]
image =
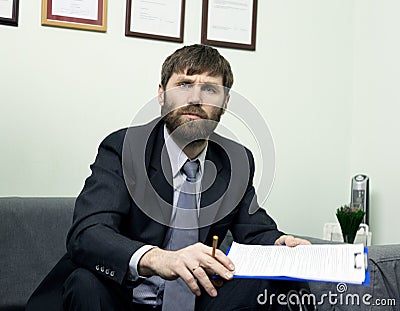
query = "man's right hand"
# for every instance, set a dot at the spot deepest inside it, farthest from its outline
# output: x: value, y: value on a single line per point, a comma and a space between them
x: 193, y: 264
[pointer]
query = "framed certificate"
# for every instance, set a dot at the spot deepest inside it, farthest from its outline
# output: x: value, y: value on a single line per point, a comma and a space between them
x: 161, y: 19
x: 78, y: 14
x: 229, y: 24
x: 9, y: 12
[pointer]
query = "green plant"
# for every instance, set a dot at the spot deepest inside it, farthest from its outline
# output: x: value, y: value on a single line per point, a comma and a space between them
x: 350, y: 218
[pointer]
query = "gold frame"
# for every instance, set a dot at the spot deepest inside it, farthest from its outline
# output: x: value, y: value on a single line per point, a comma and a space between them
x: 75, y: 23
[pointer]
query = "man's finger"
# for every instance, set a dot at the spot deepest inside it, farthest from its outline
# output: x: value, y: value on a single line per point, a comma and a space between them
x: 281, y: 240
x: 205, y: 281
x: 303, y: 241
x: 291, y: 241
x: 215, y: 266
x: 224, y: 260
x: 219, y: 256
x: 191, y: 281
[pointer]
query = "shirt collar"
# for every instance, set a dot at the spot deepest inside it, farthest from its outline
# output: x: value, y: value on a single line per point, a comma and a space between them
x: 178, y: 157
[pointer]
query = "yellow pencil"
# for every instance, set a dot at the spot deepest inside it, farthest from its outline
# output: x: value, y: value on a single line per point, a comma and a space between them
x: 214, y: 245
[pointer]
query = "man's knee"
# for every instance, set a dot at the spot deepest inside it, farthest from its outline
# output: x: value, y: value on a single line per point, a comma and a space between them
x: 82, y: 281
x: 82, y: 288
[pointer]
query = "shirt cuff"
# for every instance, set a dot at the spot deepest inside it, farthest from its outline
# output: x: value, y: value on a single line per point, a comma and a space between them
x: 133, y: 263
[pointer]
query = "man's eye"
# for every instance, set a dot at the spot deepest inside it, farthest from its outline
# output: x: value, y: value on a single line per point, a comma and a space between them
x: 184, y: 85
x: 210, y: 89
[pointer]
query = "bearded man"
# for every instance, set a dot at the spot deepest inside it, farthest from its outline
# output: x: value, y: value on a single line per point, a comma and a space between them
x: 144, y: 221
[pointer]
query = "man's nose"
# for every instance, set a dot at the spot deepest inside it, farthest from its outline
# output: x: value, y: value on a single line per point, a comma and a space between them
x: 195, y: 95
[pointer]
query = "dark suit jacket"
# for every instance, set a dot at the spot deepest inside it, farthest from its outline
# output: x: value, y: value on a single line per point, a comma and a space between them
x: 127, y: 202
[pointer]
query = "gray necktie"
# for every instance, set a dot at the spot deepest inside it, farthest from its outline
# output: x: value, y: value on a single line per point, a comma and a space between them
x: 184, y: 232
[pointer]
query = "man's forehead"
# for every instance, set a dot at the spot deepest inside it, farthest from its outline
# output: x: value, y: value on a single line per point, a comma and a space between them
x: 204, y: 77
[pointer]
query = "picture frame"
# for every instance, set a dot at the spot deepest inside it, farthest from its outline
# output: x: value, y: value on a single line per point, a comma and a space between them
x: 159, y: 20
x: 230, y: 24
x: 83, y: 14
x: 9, y: 11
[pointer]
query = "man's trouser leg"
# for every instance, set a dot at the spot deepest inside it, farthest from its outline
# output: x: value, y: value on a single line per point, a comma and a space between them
x: 85, y: 291
x: 251, y: 294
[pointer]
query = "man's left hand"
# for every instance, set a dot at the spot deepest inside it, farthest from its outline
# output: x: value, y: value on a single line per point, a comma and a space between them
x: 291, y: 241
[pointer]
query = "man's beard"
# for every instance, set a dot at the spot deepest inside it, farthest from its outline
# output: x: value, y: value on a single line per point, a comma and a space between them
x: 187, y: 131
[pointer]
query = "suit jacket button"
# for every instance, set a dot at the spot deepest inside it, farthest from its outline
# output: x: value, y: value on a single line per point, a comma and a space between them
x: 102, y: 269
x: 112, y: 273
x: 97, y: 267
x: 107, y: 271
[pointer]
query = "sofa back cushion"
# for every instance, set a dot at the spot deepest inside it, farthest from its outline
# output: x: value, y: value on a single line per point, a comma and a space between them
x: 32, y: 239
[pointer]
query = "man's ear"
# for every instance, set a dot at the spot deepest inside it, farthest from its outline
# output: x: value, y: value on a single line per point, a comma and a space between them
x: 160, y: 95
x: 225, y: 105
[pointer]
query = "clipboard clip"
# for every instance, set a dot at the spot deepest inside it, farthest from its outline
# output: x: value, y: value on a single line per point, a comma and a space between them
x: 358, y: 260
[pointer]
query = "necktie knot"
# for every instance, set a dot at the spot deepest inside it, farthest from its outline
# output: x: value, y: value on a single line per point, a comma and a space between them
x: 190, y: 169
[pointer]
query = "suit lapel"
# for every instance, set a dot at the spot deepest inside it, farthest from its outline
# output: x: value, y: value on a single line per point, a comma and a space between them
x: 153, y: 192
x: 160, y: 176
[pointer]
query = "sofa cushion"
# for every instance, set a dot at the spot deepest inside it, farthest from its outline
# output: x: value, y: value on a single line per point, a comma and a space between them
x: 385, y: 263
x: 32, y: 240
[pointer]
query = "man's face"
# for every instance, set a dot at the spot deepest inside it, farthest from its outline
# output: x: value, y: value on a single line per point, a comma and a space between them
x: 192, y: 106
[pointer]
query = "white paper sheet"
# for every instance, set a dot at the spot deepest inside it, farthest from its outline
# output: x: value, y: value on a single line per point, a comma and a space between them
x: 335, y: 263
x: 6, y: 7
x: 230, y: 21
x: 85, y: 9
x: 157, y: 17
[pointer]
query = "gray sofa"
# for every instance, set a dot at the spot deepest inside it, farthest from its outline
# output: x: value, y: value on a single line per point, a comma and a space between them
x: 32, y: 240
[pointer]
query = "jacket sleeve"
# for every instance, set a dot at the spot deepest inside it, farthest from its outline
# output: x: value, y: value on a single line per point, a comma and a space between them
x: 256, y: 228
x: 95, y: 241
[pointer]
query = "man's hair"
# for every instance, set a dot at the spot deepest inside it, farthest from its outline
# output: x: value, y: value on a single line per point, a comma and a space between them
x: 197, y: 59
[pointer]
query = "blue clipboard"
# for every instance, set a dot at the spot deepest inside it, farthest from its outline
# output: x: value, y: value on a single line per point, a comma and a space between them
x: 286, y: 278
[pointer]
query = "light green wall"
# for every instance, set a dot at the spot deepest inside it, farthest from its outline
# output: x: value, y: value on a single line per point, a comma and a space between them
x: 316, y: 66
x: 375, y: 147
